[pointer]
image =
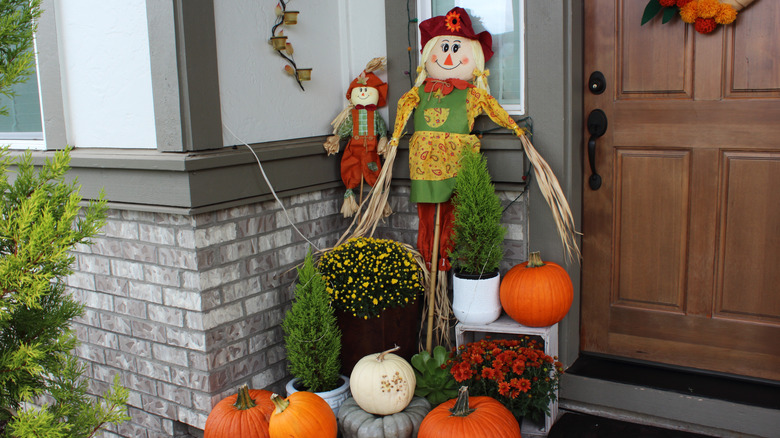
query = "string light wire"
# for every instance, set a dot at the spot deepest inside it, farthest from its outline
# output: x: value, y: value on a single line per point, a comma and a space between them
x: 270, y: 186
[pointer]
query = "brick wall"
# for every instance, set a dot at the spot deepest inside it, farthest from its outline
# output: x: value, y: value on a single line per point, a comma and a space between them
x: 188, y: 308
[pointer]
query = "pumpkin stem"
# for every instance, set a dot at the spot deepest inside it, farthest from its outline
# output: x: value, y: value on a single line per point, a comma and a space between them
x: 280, y: 403
x: 461, y: 407
x: 243, y: 400
x: 381, y: 356
x: 535, y: 260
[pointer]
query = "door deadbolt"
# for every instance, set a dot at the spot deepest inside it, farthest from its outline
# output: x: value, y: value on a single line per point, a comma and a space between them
x: 597, y: 82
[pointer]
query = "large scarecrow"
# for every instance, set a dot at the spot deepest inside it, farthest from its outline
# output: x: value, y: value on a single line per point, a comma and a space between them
x: 451, y: 90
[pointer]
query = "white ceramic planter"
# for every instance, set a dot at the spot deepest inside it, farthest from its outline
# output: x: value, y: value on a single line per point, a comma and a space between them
x: 334, y: 397
x: 476, y: 301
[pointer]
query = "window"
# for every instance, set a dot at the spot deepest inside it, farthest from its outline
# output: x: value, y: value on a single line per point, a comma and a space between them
x: 505, y: 20
x: 23, y: 121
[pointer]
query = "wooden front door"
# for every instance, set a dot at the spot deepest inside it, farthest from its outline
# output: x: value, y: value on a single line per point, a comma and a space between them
x: 681, y: 244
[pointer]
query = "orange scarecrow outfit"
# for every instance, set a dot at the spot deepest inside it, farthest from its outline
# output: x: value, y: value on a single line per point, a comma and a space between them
x: 364, y: 127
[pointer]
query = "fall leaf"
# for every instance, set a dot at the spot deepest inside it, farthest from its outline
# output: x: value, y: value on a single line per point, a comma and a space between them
x: 278, y: 10
x: 289, y: 49
x: 289, y: 70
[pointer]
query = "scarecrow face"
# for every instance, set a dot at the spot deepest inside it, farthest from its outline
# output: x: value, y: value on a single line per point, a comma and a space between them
x: 451, y: 58
x: 364, y: 96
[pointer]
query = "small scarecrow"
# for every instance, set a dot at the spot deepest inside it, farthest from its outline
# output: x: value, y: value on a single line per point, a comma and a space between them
x: 366, y: 130
x: 451, y: 90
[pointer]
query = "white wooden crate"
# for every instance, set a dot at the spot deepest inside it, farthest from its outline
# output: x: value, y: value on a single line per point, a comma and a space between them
x: 465, y: 333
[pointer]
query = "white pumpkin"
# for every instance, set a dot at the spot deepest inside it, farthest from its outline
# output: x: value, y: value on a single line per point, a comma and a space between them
x: 382, y: 383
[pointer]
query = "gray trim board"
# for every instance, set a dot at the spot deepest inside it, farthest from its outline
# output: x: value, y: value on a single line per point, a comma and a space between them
x: 196, y: 182
x: 196, y: 49
x: 397, y: 25
x: 164, y: 75
x: 200, y: 181
x: 50, y: 82
x: 573, y: 158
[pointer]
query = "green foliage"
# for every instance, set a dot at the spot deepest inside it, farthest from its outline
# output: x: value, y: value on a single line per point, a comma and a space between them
x: 434, y: 380
x: 42, y: 392
x: 652, y: 9
x: 17, y: 26
x: 312, y: 338
x: 477, y: 233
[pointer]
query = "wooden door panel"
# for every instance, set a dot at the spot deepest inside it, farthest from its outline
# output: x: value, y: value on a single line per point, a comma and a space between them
x: 682, y: 241
x: 723, y: 360
x: 652, y: 210
x: 699, y: 331
x: 662, y: 67
x: 753, y: 53
x: 750, y: 246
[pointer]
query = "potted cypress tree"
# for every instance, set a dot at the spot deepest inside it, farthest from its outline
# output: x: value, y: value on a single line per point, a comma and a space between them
x: 313, y: 340
x: 478, y: 242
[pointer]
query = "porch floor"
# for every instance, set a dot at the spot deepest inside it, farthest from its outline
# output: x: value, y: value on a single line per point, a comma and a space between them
x: 574, y: 425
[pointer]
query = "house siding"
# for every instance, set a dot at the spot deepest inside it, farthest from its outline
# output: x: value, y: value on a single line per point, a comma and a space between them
x: 186, y: 308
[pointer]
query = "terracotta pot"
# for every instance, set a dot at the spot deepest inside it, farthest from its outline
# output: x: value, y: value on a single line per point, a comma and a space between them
x: 360, y: 337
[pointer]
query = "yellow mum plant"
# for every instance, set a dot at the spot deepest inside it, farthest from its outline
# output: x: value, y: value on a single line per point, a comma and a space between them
x: 365, y: 276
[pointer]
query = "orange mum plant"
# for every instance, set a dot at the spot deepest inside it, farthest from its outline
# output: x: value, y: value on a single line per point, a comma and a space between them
x: 515, y: 372
x: 705, y: 15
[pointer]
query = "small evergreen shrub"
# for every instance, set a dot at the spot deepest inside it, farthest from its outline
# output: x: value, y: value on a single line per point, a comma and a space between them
x: 477, y: 233
x: 42, y: 391
x: 312, y: 337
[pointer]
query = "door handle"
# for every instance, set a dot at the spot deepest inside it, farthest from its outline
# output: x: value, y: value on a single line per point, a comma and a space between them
x: 597, y: 126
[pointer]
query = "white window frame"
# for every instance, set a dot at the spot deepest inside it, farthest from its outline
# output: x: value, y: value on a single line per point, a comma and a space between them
x: 424, y: 11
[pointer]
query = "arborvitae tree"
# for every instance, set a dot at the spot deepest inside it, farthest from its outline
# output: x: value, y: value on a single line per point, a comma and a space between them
x: 42, y: 391
x: 477, y: 233
x: 17, y: 26
x: 312, y: 337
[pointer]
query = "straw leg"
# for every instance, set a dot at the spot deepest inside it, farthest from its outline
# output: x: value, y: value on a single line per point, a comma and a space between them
x: 361, y: 191
x: 432, y: 285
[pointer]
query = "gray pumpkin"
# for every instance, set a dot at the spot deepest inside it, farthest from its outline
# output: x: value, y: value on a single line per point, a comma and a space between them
x: 354, y: 422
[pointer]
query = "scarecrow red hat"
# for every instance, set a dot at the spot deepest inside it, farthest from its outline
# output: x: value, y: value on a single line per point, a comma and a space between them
x: 456, y: 22
x: 373, y: 81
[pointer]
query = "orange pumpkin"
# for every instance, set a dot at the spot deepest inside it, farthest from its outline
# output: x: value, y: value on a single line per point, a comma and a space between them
x: 302, y: 415
x: 480, y: 417
x: 244, y: 414
x: 536, y: 293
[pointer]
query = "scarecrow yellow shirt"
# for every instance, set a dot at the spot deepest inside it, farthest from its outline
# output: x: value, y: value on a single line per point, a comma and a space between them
x: 443, y: 125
